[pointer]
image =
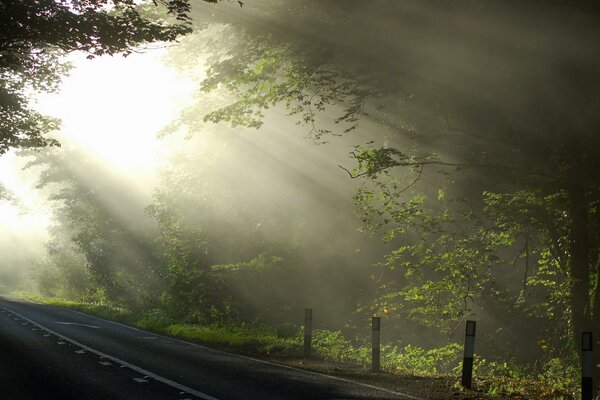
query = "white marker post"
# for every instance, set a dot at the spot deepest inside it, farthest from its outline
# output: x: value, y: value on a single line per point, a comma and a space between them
x: 587, y: 366
x: 307, y: 332
x: 467, y: 369
x: 376, y: 344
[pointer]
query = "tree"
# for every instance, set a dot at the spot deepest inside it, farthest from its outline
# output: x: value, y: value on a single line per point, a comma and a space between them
x: 95, y: 220
x: 537, y: 142
x: 241, y: 228
x: 498, y: 95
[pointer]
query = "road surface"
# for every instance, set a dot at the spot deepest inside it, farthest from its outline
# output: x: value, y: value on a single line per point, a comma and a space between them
x: 53, y: 353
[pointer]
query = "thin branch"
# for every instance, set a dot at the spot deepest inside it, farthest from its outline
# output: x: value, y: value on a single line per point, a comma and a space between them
x: 417, y: 178
x: 350, y: 173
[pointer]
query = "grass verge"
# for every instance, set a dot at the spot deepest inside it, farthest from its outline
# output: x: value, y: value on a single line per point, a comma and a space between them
x: 252, y: 340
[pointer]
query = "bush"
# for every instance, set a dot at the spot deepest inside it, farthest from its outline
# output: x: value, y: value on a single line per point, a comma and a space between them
x: 419, y: 361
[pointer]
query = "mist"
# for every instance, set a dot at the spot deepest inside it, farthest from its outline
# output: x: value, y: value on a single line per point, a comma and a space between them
x: 413, y: 160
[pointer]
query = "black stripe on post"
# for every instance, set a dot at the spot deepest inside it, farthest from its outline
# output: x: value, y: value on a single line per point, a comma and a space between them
x: 307, y: 332
x: 587, y: 366
x: 467, y: 370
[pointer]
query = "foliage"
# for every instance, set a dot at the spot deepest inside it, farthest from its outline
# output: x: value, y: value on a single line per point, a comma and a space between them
x: 95, y: 251
x: 420, y: 361
x: 446, y: 256
x: 560, y: 379
x: 231, y: 336
x: 63, y: 274
x: 97, y: 308
x: 249, y: 71
x: 239, y: 240
x: 514, y: 227
x: 333, y: 345
x: 453, y: 250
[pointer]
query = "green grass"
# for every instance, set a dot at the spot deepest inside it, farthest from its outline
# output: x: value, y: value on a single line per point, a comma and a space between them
x: 106, y: 311
x: 251, y: 339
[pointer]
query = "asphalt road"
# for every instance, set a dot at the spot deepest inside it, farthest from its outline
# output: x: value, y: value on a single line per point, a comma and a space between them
x: 52, y: 353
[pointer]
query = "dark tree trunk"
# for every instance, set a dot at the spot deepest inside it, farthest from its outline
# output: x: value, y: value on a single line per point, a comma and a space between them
x: 580, y: 262
x: 581, y: 304
x: 596, y: 331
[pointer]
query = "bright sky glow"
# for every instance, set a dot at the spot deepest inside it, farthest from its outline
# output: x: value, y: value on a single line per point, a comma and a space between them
x: 111, y: 107
x: 30, y: 214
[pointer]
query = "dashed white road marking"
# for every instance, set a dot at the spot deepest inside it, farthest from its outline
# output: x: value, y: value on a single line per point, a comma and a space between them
x: 105, y: 363
x: 80, y: 351
x: 60, y: 342
x: 140, y: 380
x: 75, y: 323
x: 135, y: 368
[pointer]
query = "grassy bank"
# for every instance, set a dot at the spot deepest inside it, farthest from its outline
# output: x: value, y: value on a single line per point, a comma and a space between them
x: 255, y: 340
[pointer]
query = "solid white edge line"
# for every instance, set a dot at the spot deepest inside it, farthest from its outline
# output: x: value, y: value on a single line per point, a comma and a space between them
x: 337, y: 378
x: 140, y: 370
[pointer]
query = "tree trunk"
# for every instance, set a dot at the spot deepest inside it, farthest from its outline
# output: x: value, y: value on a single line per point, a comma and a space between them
x: 596, y: 331
x: 581, y: 304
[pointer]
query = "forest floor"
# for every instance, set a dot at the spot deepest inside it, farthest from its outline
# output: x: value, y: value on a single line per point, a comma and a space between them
x: 441, y: 387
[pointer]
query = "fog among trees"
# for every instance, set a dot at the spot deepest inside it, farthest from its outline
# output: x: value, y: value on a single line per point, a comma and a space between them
x: 430, y: 162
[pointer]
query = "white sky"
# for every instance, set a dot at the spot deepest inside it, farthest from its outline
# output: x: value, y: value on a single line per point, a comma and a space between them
x: 115, y: 106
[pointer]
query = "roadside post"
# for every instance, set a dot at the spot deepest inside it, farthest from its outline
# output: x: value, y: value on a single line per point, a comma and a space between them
x: 307, y: 332
x: 467, y: 369
x: 376, y: 344
x: 587, y: 366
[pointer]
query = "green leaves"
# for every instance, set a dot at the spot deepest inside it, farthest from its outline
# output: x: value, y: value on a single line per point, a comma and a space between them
x: 248, y: 73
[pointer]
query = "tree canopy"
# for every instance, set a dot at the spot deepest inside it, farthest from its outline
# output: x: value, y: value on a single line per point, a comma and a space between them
x: 498, y: 98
